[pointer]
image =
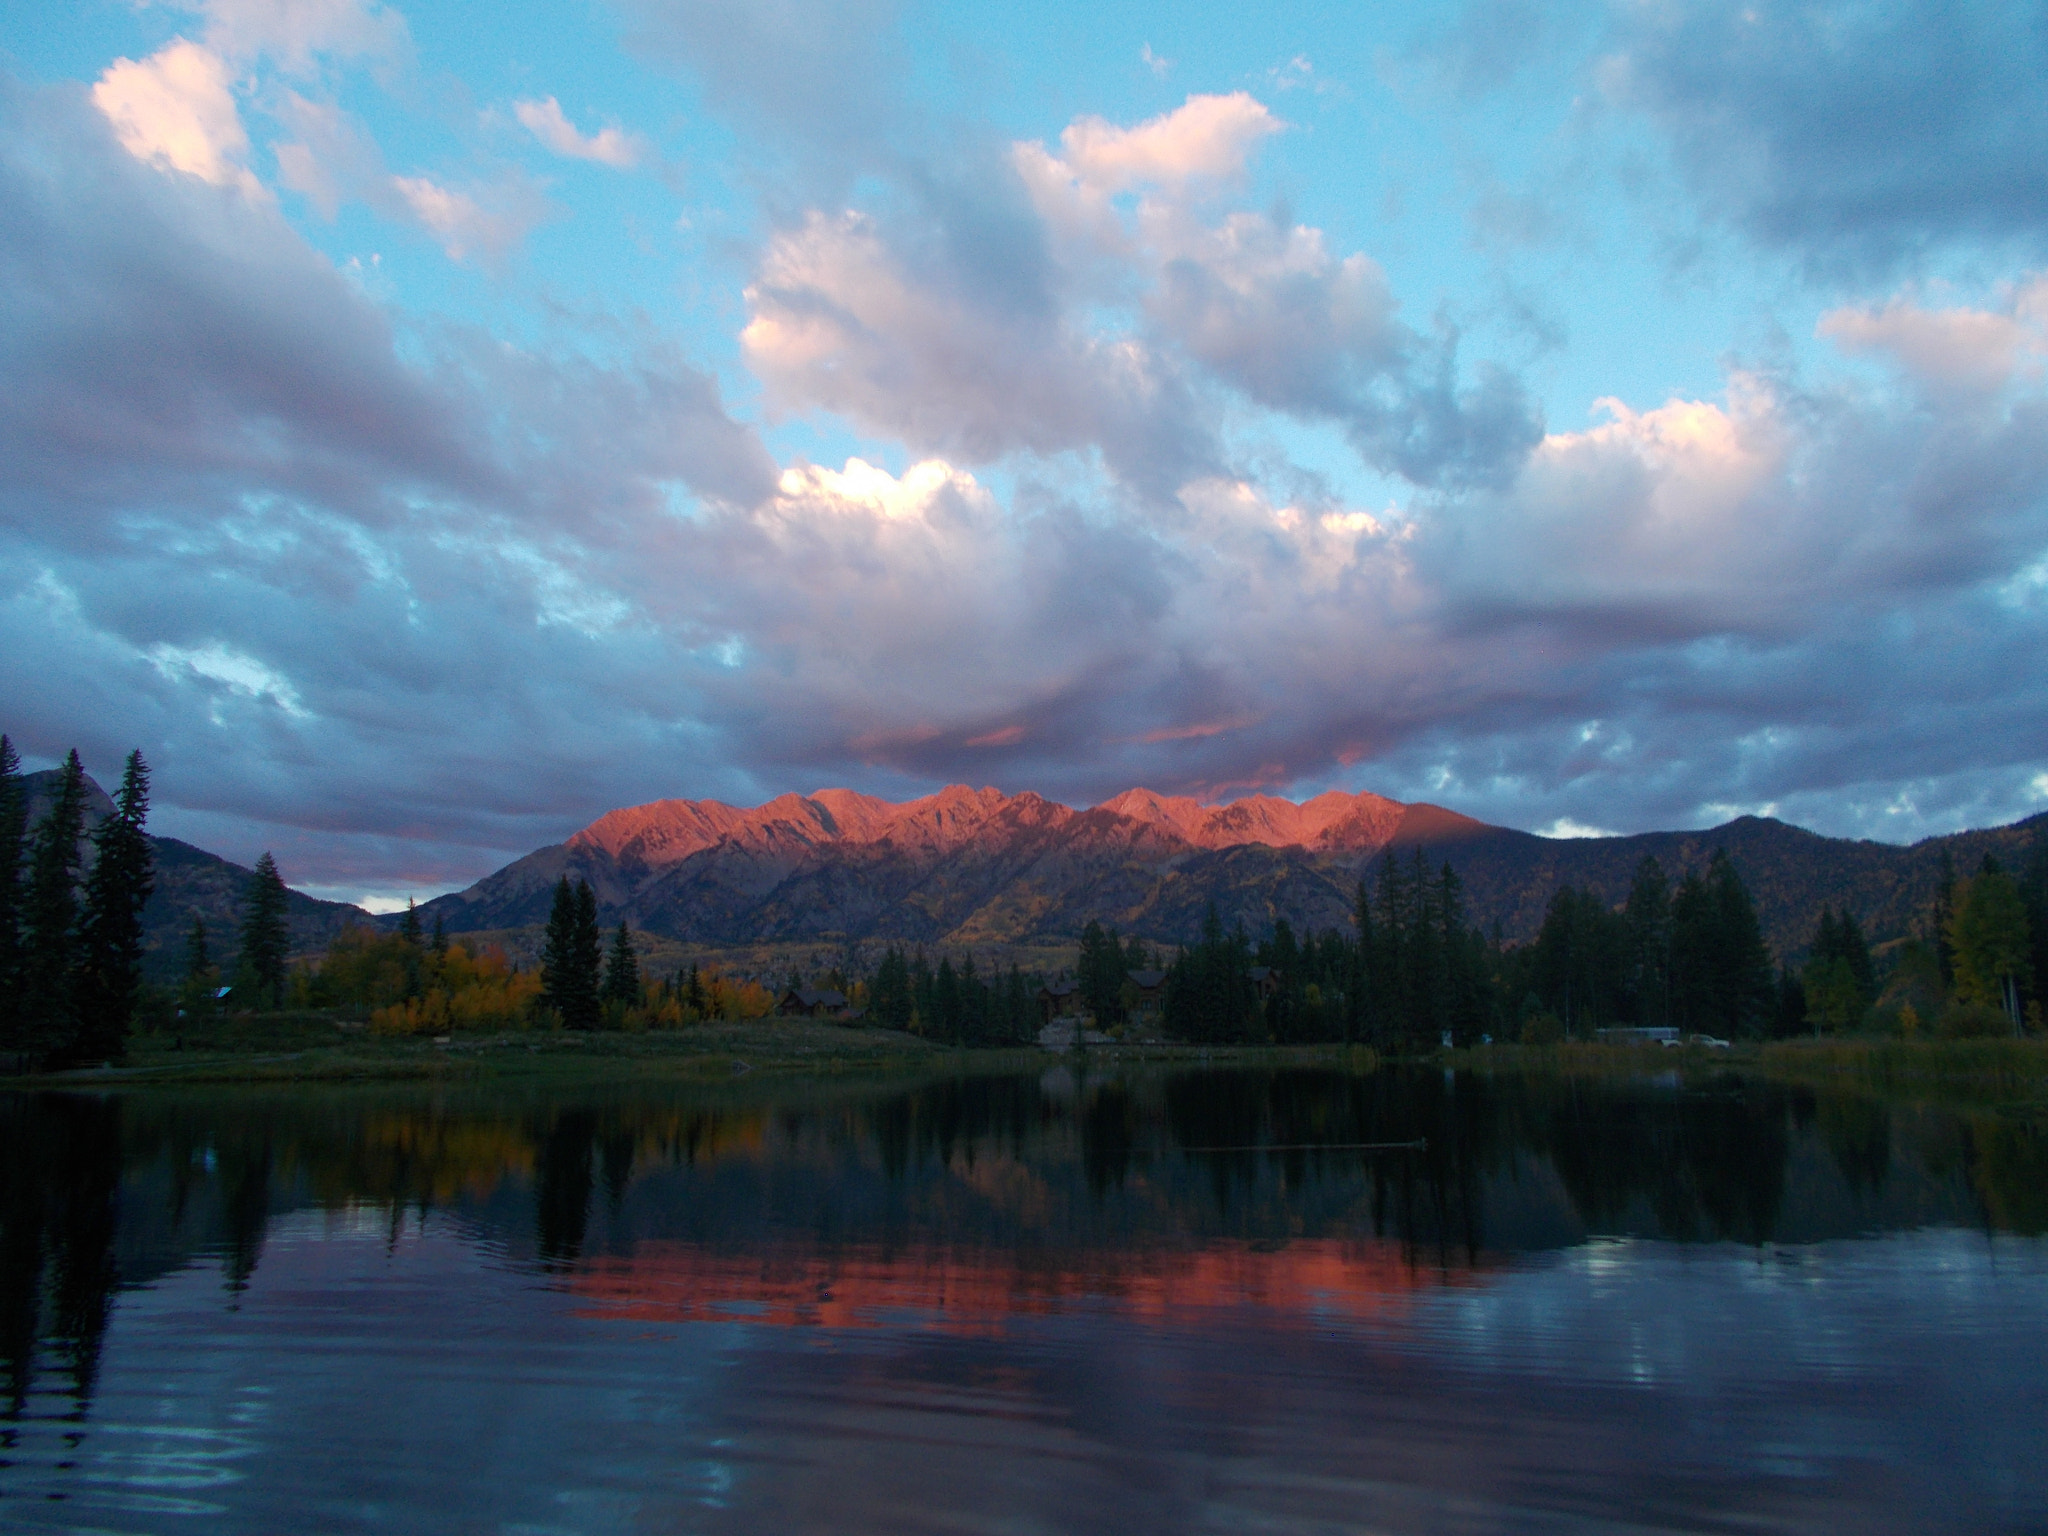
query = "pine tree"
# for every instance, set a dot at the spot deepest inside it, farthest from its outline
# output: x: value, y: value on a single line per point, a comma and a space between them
x: 49, y: 944
x: 622, y: 971
x: 110, y: 932
x: 1362, y: 984
x: 266, y: 936
x: 1742, y: 978
x: 1100, y: 971
x: 1648, y: 916
x: 558, y: 948
x: 13, y: 823
x: 201, y: 979
x: 946, y: 1010
x: 571, y: 955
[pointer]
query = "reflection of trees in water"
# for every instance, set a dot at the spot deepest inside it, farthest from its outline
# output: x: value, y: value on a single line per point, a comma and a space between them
x: 244, y: 1164
x: 1705, y: 1164
x: 60, y: 1177
x: 561, y: 1191
x: 1074, y: 1159
x: 1858, y: 1132
x: 2008, y: 1165
x: 1426, y: 1197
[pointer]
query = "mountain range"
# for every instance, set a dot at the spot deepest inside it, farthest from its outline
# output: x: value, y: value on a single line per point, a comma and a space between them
x: 968, y: 868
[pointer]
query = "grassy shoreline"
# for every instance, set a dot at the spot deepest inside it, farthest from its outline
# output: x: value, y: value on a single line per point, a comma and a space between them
x: 324, y: 1047
x: 319, y: 1047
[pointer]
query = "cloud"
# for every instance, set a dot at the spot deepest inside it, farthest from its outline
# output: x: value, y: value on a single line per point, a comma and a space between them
x: 827, y: 74
x: 284, y: 537
x: 479, y: 221
x: 295, y: 34
x: 609, y: 146
x: 1859, y: 136
x: 1206, y: 138
x: 333, y: 160
x: 1107, y: 298
x: 907, y: 343
x: 175, y: 110
x: 1959, y: 348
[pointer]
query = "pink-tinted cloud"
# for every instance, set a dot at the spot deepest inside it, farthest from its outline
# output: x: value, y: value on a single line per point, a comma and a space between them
x: 610, y: 145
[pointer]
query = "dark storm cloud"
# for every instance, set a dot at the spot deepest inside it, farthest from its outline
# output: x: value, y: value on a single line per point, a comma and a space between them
x: 1861, y: 134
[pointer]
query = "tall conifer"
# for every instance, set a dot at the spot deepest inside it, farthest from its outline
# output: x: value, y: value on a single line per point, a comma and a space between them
x: 13, y: 825
x: 622, y: 970
x: 110, y: 932
x: 266, y: 935
x: 49, y: 943
x: 571, y: 956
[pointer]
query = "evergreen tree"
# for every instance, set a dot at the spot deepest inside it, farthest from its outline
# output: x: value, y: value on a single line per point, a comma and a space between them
x: 889, y: 998
x: 1789, y: 1016
x: 923, y: 1005
x: 1019, y: 1021
x: 1209, y: 996
x: 201, y: 979
x: 1286, y: 1003
x: 1838, y: 981
x: 1992, y: 947
x: 1692, y: 954
x: 622, y: 971
x: 1362, y: 986
x: 1721, y: 973
x: 571, y: 955
x: 13, y: 826
x: 49, y: 943
x: 946, y: 1009
x: 110, y: 931
x: 1100, y: 971
x: 439, y: 944
x: 409, y: 925
x: 1648, y: 918
x: 266, y: 936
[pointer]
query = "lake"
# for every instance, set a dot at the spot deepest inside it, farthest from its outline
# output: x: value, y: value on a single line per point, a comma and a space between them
x: 1165, y: 1299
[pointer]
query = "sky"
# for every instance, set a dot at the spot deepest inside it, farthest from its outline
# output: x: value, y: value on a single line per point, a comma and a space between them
x: 427, y: 427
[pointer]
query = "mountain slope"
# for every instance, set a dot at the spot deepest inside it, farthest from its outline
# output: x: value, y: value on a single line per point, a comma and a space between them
x: 976, y: 867
x: 192, y: 883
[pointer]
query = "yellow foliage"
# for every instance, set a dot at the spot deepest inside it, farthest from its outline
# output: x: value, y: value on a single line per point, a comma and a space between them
x: 463, y: 991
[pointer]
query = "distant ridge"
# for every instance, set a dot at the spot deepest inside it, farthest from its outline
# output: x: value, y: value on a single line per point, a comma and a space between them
x: 967, y: 867
x: 192, y: 883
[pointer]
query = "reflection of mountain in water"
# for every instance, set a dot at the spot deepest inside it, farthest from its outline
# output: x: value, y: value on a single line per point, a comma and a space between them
x: 974, y: 1199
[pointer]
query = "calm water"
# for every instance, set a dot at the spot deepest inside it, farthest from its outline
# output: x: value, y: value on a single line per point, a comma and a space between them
x: 1018, y: 1304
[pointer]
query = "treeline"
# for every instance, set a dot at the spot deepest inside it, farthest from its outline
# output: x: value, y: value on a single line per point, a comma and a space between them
x: 1412, y: 971
x: 954, y: 1004
x: 415, y: 982
x: 70, y: 917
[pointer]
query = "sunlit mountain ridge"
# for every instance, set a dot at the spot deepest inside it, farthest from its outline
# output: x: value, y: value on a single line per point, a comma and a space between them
x: 969, y: 867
